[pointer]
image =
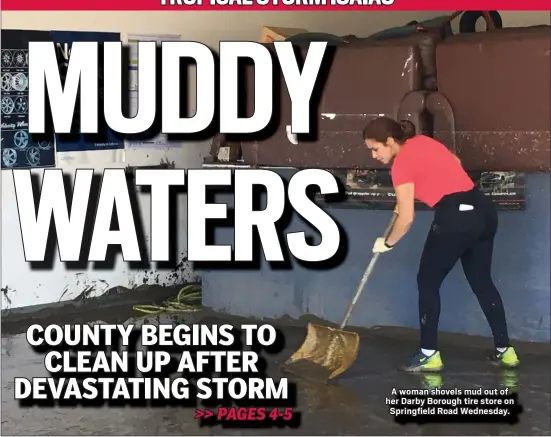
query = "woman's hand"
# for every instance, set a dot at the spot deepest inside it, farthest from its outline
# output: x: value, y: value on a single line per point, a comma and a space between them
x: 380, y: 246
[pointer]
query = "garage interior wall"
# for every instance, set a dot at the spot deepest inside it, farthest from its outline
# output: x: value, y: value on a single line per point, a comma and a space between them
x: 22, y: 286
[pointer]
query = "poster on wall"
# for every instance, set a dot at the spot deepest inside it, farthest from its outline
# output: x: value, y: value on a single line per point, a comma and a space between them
x: 19, y: 148
x: 160, y: 141
x: 372, y: 189
x: 104, y: 148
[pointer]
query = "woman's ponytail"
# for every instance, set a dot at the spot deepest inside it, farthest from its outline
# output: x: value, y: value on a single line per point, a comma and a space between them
x: 381, y: 128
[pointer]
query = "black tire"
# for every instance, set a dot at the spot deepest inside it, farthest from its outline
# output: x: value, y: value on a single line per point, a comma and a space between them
x: 446, y: 31
x: 467, y: 23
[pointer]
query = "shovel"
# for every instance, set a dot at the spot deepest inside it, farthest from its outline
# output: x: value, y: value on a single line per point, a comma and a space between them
x: 327, y: 352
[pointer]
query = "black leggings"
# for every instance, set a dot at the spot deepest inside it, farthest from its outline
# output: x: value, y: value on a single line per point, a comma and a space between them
x: 465, y: 234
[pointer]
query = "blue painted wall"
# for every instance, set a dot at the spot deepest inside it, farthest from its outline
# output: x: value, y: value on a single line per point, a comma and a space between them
x: 521, y: 272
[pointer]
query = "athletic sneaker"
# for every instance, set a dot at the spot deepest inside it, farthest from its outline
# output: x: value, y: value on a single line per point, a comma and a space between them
x: 423, y: 363
x: 508, y: 358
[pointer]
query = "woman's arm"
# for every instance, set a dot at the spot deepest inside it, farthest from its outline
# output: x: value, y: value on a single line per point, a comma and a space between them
x: 405, y: 201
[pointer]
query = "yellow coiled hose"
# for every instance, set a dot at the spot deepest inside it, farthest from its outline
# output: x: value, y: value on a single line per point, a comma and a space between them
x: 188, y: 300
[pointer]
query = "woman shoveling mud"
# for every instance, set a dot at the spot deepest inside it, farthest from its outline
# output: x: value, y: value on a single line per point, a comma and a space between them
x: 464, y: 227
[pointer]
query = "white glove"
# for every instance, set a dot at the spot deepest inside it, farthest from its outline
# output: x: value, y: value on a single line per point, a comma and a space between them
x: 380, y: 246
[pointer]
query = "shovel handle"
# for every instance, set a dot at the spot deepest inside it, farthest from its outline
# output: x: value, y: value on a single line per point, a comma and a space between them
x: 367, y: 273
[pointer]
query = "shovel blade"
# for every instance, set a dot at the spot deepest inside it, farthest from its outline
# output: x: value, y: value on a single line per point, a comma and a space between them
x: 332, y: 350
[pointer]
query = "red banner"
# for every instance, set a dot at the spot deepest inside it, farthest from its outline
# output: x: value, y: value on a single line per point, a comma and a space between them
x: 274, y: 5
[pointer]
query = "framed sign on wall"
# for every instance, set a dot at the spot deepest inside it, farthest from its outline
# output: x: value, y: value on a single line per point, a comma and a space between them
x: 372, y: 189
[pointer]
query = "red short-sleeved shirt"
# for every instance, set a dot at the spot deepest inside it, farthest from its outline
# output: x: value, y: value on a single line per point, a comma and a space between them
x: 432, y: 168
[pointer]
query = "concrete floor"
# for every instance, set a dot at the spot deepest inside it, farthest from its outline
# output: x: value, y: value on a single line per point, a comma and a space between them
x: 353, y: 405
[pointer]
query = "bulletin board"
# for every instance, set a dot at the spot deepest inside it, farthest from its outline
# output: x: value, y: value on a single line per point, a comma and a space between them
x: 22, y: 150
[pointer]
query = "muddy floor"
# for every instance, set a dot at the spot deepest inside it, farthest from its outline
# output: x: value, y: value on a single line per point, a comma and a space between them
x: 353, y: 405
